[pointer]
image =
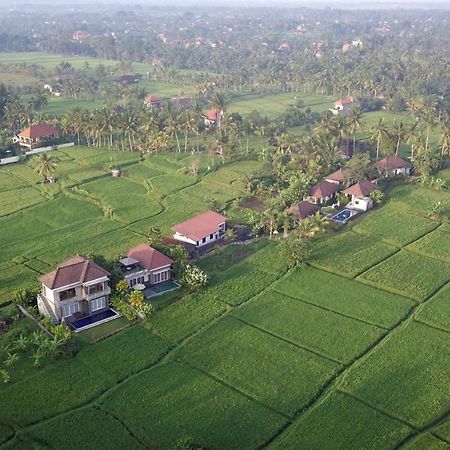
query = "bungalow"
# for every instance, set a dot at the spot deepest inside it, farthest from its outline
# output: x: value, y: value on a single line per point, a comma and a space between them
x: 344, y: 105
x: 128, y: 79
x: 80, y: 35
x: 181, y: 101
x: 341, y: 176
x: 203, y: 229
x: 322, y: 193
x: 152, y: 102
x: 393, y: 165
x: 145, y: 265
x: 34, y: 136
x: 360, y: 193
x: 78, y: 287
x: 213, y: 117
x: 302, y: 210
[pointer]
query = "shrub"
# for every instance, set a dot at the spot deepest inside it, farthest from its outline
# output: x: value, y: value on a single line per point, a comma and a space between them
x: 194, y: 277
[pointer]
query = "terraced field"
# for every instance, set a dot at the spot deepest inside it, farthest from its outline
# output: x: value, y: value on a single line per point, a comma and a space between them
x: 350, y: 350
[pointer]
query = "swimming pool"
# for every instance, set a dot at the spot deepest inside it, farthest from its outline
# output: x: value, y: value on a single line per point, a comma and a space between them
x: 161, y: 288
x: 93, y: 320
x: 343, y: 216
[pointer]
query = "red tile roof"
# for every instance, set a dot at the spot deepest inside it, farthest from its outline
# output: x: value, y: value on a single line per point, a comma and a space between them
x: 393, y: 162
x: 152, y: 98
x: 200, y: 226
x: 340, y: 176
x: 361, y: 189
x: 213, y: 114
x: 323, y: 190
x: 149, y: 258
x: 75, y: 270
x: 40, y: 130
x: 304, y: 209
x: 346, y: 100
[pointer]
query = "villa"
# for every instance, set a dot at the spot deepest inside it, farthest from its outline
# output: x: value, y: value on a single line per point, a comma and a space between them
x: 144, y: 265
x: 152, y: 102
x: 36, y: 135
x: 302, y: 210
x: 343, y: 106
x: 201, y: 230
x: 341, y: 176
x: 360, y: 195
x: 322, y: 193
x: 77, y: 288
x: 213, y: 117
x: 393, y: 165
x: 181, y: 101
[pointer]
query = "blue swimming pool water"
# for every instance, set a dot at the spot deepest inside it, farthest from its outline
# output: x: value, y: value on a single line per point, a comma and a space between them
x: 160, y: 288
x: 343, y: 216
x: 90, y: 320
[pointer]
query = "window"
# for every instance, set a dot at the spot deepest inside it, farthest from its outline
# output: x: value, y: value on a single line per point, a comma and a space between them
x: 211, y: 236
x: 94, y: 288
x: 137, y: 280
x: 68, y: 310
x: 203, y: 240
x: 65, y: 295
x: 98, y: 303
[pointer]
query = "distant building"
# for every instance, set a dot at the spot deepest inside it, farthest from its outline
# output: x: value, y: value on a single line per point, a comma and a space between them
x: 181, y: 101
x: 80, y: 35
x: 213, y: 117
x: 360, y: 195
x: 128, y: 79
x: 393, y: 165
x: 152, y: 102
x: 344, y: 105
x: 341, y: 176
x: 302, y: 210
x: 34, y: 136
x: 322, y: 193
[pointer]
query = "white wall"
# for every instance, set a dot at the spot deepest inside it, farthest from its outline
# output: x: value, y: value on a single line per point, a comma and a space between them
x: 11, y: 159
x: 50, y: 148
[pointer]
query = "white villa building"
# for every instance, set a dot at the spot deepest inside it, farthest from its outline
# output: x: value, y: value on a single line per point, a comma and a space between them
x: 78, y: 287
x: 202, y: 229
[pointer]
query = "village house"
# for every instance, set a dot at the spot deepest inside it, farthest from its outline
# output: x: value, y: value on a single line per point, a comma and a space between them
x: 146, y: 266
x: 322, y: 193
x: 213, y: 117
x: 128, y: 79
x: 360, y: 195
x: 393, y: 165
x: 343, y: 106
x: 152, y: 102
x: 201, y: 230
x: 80, y: 35
x: 36, y: 135
x: 181, y: 101
x: 341, y: 176
x: 303, y: 210
x: 78, y: 287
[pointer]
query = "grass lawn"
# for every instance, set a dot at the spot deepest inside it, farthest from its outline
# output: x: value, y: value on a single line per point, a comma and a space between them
x: 435, y: 244
x: 258, y: 364
x: 443, y: 430
x: 344, y: 296
x: 436, y: 311
x: 349, y: 254
x: 338, y: 337
x: 395, y: 227
x: 408, y: 274
x: 178, y: 398
x: 426, y: 441
x: 412, y: 365
x: 340, y: 420
x: 100, y: 430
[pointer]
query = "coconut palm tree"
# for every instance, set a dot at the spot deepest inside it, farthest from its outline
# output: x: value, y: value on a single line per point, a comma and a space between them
x: 355, y: 122
x: 399, y: 132
x: 46, y: 165
x: 379, y: 134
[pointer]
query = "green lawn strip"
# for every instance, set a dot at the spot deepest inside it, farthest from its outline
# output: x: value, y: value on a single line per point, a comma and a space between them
x: 344, y: 296
x: 272, y: 371
x: 339, y: 422
x: 442, y: 430
x: 349, y: 254
x: 9, y: 277
x: 124, y: 354
x: 338, y: 337
x: 20, y: 199
x: 99, y: 332
x: 183, y: 318
x: 435, y: 244
x: 426, y: 441
x: 10, y: 183
x: 420, y: 199
x: 86, y: 428
x: 167, y: 184
x: 395, y: 226
x: 57, y: 388
x: 408, y: 274
x: 436, y: 311
x: 174, y: 401
x: 412, y: 366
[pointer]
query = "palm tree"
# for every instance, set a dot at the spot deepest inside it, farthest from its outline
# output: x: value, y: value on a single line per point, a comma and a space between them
x: 379, y: 133
x: 429, y: 117
x: 355, y: 122
x: 46, y: 165
x: 399, y: 133
x: 286, y: 219
x: 444, y: 140
x: 218, y: 102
